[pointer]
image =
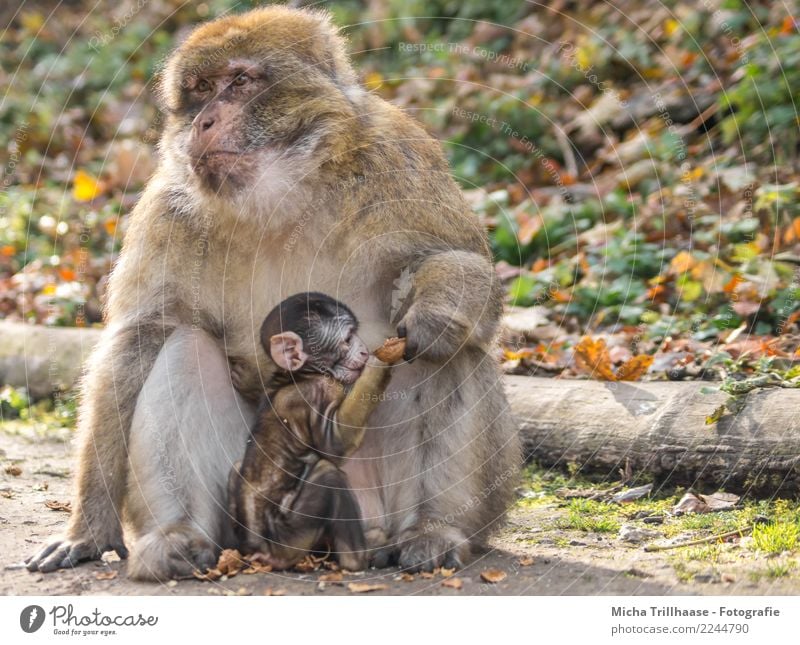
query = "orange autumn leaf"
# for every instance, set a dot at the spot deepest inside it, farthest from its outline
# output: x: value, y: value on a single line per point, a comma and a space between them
x: 66, y: 274
x: 792, y: 233
x: 85, y: 187
x: 110, y: 225
x: 8, y: 250
x: 592, y: 356
x: 734, y: 282
x: 682, y: 262
x: 540, y: 265
x: 656, y: 292
x: 635, y: 368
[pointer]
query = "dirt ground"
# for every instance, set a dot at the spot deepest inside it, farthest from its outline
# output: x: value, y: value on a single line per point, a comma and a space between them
x: 536, y: 561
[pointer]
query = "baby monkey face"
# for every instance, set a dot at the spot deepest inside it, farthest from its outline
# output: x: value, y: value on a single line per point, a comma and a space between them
x: 313, y: 333
x: 336, y: 349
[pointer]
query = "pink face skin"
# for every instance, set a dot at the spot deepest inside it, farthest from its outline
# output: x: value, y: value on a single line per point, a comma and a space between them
x: 287, y: 350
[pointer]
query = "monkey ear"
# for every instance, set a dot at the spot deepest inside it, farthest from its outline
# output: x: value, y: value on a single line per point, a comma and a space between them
x: 286, y: 350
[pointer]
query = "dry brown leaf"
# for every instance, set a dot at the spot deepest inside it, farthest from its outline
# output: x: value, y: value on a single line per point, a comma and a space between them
x: 231, y: 562
x: 55, y: 505
x: 592, y: 356
x: 7, y: 494
x: 446, y: 573
x: 365, y: 587
x: 453, y: 583
x: 307, y: 564
x: 208, y: 576
x: 334, y: 576
x: 406, y: 577
x: 257, y: 567
x: 634, y: 368
x: 493, y: 575
x: 269, y: 591
x: 427, y: 575
x: 106, y: 575
x: 525, y: 561
x: 14, y: 471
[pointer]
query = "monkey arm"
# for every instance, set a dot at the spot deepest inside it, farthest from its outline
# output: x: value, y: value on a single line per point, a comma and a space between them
x: 345, y: 428
x: 456, y: 303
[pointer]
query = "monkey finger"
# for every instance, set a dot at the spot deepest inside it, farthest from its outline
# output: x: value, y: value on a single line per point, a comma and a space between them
x: 411, y: 349
x: 79, y: 553
x: 121, y: 549
x: 54, y: 560
x: 33, y: 562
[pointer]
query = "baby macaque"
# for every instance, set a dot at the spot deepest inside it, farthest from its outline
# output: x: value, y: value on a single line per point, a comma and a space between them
x: 289, y: 495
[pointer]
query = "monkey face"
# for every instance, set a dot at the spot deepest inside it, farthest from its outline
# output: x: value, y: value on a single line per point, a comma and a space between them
x: 246, y: 91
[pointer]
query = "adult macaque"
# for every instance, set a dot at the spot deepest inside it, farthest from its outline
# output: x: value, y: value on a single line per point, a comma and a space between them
x: 280, y: 174
x: 289, y: 496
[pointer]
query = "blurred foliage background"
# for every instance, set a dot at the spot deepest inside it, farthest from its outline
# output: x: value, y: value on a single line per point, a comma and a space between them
x: 636, y: 164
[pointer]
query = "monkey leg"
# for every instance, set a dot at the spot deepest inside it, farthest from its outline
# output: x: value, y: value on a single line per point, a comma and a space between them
x: 114, y: 376
x: 324, y: 508
x: 437, y: 467
x: 189, y: 428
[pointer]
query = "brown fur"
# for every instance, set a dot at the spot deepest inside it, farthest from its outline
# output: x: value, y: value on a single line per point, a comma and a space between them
x: 346, y: 195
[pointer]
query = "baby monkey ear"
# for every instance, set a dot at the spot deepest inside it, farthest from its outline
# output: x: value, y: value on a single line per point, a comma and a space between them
x: 286, y: 350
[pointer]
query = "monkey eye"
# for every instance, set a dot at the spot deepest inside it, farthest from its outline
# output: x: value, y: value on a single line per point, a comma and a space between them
x: 240, y: 79
x: 203, y: 86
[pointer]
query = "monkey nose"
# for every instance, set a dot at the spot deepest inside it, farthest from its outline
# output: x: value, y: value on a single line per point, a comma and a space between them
x: 203, y: 122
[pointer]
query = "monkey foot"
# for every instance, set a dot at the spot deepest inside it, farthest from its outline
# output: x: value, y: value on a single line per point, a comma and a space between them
x: 425, y: 551
x: 172, y: 553
x: 63, y: 553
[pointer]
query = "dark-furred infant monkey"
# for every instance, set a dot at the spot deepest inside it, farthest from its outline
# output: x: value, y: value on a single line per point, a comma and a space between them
x: 289, y: 495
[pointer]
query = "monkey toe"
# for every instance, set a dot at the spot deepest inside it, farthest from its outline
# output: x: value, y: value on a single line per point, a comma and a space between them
x: 422, y: 553
x: 383, y: 557
x: 427, y: 551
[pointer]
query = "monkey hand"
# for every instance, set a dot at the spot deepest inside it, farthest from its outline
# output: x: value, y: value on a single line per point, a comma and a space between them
x: 246, y: 379
x: 65, y: 553
x: 431, y: 334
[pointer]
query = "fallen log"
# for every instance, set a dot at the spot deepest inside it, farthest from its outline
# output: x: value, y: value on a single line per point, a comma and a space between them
x: 44, y: 360
x: 659, y: 428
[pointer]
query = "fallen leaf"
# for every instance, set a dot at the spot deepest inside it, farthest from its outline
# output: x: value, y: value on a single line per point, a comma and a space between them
x: 446, y: 573
x: 592, y: 356
x: 453, y: 583
x: 525, y: 561
x: 405, y: 577
x: 334, y: 576
x: 720, y: 501
x: 55, y: 505
x: 106, y: 575
x: 716, y: 415
x: 307, y: 564
x: 269, y: 591
x: 427, y: 575
x: 364, y: 587
x: 493, y: 576
x: 208, y: 576
x: 14, y: 471
x: 231, y: 562
x: 682, y: 262
x: 634, y: 368
x: 632, y: 494
x: 85, y: 187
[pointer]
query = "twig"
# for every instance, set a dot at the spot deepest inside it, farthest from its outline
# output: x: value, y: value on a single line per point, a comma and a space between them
x: 706, y: 540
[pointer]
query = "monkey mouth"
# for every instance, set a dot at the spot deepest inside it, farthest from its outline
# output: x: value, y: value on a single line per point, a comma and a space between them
x: 222, y: 169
